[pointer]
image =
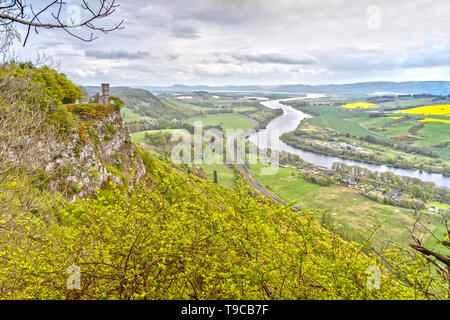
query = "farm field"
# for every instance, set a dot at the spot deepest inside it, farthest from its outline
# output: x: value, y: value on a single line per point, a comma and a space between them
x: 129, y: 115
x: 191, y: 106
x: 359, y: 105
x: 340, y: 119
x: 433, y: 132
x: 438, y: 110
x: 283, y: 182
x: 227, y: 121
x: 139, y: 137
x: 351, y: 210
x: 434, y: 120
x: 243, y: 109
x: 406, y: 103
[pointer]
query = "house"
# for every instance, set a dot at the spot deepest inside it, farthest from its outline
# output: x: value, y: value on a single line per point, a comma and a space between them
x: 433, y: 209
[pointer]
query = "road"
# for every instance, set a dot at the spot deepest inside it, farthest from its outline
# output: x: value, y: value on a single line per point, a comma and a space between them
x: 240, y: 163
x: 256, y: 185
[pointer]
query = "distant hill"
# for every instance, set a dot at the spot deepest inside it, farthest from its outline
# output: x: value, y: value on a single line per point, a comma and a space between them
x: 353, y: 89
x: 350, y: 89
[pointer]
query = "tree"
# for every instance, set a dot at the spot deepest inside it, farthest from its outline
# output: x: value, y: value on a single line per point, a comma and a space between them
x: 215, y: 177
x: 54, y: 14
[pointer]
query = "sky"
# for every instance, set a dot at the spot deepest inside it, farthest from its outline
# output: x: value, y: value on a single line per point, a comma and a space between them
x: 258, y: 42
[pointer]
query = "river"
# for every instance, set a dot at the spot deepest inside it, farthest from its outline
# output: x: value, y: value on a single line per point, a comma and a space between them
x: 291, y: 119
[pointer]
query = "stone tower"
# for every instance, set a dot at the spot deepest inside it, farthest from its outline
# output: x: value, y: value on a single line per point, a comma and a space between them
x: 106, y: 94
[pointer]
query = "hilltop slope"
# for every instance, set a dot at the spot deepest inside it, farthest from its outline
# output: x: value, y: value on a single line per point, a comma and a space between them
x: 146, y: 104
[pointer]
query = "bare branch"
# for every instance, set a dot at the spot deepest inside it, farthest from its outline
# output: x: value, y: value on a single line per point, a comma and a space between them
x: 50, y: 16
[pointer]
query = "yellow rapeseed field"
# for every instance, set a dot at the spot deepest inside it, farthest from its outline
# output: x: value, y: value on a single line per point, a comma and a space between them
x: 434, y: 120
x: 362, y: 105
x: 439, y: 110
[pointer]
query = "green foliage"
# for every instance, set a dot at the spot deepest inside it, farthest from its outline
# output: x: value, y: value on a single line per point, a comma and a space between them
x: 55, y: 85
x: 117, y: 103
x: 181, y: 237
x: 63, y: 119
x: 77, y: 187
x: 110, y: 128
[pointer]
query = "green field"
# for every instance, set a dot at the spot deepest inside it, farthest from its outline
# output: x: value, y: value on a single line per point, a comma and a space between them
x: 225, y: 175
x: 341, y: 120
x: 243, y: 109
x: 407, y: 102
x: 351, y: 210
x: 139, y: 137
x: 359, y: 123
x: 227, y: 121
x: 190, y: 105
x: 129, y: 115
x: 434, y: 133
x: 283, y: 182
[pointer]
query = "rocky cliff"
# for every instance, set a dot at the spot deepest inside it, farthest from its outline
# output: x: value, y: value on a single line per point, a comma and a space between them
x: 97, y: 150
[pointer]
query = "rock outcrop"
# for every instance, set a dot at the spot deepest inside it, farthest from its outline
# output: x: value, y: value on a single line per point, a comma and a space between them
x: 98, y: 151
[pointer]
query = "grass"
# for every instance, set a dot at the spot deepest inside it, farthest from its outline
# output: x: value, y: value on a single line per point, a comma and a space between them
x: 243, y: 109
x: 225, y: 175
x: 433, y: 134
x: 284, y: 182
x: 340, y: 124
x: 352, y: 210
x: 139, y: 137
x: 129, y: 115
x: 190, y: 105
x: 406, y: 102
x: 227, y: 121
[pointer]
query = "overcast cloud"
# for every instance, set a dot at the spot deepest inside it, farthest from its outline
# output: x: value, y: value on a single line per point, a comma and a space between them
x: 221, y: 42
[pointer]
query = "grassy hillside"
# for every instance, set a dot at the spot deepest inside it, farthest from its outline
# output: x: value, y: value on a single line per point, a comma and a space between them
x: 141, y: 103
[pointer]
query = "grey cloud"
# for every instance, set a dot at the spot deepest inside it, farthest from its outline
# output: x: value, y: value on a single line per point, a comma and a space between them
x: 240, y: 40
x: 173, y: 57
x: 184, y: 31
x: 272, y: 58
x: 116, y: 55
x: 209, y: 11
x: 215, y: 61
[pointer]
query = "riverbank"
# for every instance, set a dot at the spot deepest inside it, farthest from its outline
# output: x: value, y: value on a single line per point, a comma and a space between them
x: 352, y: 149
x: 290, y: 120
